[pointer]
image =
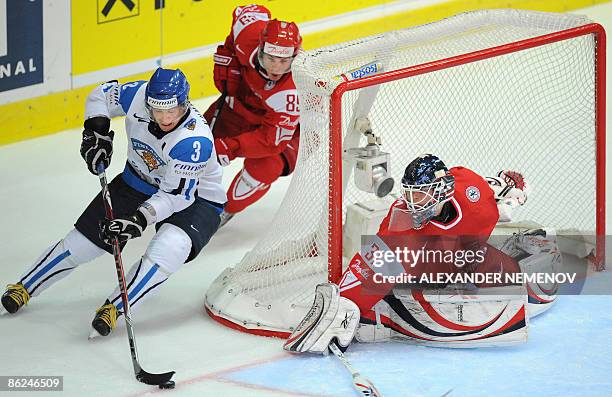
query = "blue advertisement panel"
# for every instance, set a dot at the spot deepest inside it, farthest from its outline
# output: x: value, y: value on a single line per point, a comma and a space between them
x: 21, y: 43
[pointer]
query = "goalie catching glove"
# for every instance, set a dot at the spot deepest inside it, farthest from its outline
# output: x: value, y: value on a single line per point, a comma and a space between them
x: 510, y: 190
x: 331, y: 318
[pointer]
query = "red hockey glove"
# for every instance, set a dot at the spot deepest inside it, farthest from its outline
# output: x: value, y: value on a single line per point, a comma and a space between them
x: 226, y: 72
x: 225, y: 152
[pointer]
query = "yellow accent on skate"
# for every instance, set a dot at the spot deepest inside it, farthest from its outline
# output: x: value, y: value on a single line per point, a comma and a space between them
x: 108, y: 314
x: 18, y: 293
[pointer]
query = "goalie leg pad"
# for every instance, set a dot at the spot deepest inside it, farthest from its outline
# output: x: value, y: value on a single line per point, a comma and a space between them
x: 536, y: 251
x: 449, y: 318
x: 541, y: 297
x: 330, y: 318
x: 371, y: 327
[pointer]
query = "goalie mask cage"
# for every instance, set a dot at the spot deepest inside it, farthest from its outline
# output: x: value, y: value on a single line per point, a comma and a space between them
x: 491, y: 90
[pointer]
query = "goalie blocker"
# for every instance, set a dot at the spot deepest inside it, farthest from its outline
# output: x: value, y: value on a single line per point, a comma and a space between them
x: 331, y: 319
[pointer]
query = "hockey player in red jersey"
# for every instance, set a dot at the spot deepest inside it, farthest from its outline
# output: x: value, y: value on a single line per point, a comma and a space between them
x: 260, y: 115
x: 440, y: 210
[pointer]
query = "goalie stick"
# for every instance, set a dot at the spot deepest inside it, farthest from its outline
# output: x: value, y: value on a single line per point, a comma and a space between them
x: 141, y: 375
x: 362, y: 384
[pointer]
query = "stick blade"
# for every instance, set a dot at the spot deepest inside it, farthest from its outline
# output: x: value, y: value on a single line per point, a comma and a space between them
x: 365, y: 387
x: 154, y: 379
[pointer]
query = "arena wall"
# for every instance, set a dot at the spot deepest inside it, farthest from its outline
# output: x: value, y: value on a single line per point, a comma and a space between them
x: 53, y: 53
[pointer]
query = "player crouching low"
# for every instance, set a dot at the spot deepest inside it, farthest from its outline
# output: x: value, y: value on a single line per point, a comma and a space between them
x: 171, y: 181
x: 456, y: 210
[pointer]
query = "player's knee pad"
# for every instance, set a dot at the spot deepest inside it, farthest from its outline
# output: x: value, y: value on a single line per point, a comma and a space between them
x: 265, y: 170
x: 81, y: 249
x: 169, y: 248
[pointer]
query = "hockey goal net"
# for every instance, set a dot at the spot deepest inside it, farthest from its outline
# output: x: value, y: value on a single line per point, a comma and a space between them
x: 490, y: 90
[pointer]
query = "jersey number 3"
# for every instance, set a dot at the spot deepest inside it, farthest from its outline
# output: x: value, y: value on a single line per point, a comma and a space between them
x: 197, y: 147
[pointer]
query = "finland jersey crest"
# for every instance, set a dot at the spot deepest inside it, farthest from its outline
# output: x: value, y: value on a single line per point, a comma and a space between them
x: 191, y: 125
x: 147, y: 154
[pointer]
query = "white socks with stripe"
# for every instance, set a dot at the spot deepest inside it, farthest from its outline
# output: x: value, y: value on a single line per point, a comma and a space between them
x: 166, y: 253
x: 59, y: 260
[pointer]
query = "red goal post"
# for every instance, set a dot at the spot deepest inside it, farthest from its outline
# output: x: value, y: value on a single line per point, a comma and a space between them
x: 335, y: 160
x: 490, y: 90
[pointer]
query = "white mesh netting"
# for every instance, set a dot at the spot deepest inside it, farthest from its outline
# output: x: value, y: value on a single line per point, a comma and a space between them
x: 531, y: 110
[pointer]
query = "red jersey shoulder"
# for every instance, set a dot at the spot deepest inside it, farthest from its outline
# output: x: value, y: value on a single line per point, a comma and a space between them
x: 475, y: 204
x: 247, y: 24
x: 471, y: 187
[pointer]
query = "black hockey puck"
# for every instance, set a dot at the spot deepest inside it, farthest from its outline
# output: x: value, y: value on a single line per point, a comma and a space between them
x: 167, y: 385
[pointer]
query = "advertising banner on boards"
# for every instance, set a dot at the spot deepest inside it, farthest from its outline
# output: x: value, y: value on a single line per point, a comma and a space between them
x: 21, y: 43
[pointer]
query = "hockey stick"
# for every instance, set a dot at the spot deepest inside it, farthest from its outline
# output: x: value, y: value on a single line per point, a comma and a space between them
x: 218, y: 109
x: 141, y: 375
x: 362, y: 384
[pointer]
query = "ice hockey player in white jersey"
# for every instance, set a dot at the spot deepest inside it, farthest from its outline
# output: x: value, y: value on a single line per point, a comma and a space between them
x: 171, y: 180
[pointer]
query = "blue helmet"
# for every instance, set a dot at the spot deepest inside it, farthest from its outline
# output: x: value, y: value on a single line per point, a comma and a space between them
x: 423, y: 170
x: 167, y: 89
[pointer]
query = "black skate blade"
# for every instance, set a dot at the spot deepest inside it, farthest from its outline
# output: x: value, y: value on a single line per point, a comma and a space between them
x: 154, y: 379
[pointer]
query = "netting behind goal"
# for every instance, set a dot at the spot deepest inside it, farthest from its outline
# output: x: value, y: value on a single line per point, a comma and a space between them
x: 489, y: 90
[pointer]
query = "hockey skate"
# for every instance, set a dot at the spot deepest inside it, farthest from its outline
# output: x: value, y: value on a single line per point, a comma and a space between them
x: 15, y: 296
x: 225, y: 217
x: 105, y: 320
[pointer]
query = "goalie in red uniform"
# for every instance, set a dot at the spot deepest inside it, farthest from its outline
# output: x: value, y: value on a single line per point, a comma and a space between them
x: 451, y: 211
x: 448, y: 210
x: 260, y: 115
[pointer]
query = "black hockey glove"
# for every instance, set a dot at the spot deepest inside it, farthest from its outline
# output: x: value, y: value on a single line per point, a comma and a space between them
x: 122, y: 228
x: 97, y: 143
